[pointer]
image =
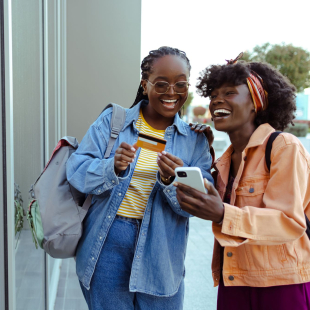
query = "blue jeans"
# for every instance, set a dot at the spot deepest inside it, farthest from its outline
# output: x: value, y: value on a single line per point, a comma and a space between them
x: 109, y: 287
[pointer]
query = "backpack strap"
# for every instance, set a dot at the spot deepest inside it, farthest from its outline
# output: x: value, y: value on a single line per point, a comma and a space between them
x: 86, y: 204
x: 272, y: 137
x: 117, y: 123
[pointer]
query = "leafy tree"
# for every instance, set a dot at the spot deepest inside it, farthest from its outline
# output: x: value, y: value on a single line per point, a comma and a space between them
x: 188, y: 101
x: 291, y: 61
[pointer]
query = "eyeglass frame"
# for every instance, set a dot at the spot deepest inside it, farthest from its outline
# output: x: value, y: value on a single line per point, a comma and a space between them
x: 188, y: 85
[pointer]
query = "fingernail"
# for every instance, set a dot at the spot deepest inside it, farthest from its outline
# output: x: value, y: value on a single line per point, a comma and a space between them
x: 159, y: 154
x: 135, y: 156
x: 132, y: 160
x: 175, y: 184
x: 164, y: 152
x: 133, y: 149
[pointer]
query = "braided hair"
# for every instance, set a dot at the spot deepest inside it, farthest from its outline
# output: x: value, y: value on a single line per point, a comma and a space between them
x: 147, y: 66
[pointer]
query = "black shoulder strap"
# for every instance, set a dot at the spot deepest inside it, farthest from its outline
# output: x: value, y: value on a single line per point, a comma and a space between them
x: 308, y: 226
x: 272, y: 137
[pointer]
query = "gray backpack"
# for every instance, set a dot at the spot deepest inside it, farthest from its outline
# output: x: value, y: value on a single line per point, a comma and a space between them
x: 57, y: 209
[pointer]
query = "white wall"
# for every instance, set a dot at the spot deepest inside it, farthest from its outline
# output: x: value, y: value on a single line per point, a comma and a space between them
x: 103, y: 58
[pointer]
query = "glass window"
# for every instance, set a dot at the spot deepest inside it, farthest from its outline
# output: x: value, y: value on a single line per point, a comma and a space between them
x: 28, y: 145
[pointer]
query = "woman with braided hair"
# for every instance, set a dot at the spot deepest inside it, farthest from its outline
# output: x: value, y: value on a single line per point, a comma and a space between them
x: 132, y: 251
x: 261, y: 258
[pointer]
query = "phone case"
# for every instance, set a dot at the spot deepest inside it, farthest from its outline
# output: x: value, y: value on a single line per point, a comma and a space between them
x: 193, y: 179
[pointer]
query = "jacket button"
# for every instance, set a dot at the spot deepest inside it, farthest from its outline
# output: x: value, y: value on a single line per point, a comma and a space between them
x: 229, y: 254
x: 231, y: 278
x: 251, y: 190
x: 244, y: 158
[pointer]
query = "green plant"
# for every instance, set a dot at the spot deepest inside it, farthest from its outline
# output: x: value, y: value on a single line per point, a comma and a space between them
x: 18, y: 211
x: 299, y: 130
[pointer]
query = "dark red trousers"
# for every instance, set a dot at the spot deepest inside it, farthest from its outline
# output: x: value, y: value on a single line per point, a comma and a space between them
x: 285, y: 297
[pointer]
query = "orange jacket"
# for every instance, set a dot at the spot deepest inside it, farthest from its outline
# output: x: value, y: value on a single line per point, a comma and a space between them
x: 263, y: 230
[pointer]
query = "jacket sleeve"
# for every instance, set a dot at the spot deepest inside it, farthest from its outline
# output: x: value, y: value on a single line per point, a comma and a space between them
x: 202, y: 159
x: 87, y: 170
x: 286, y: 196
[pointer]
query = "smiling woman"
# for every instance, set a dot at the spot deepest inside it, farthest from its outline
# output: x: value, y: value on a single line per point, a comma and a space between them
x: 164, y: 83
x: 168, y: 76
x: 231, y: 107
x: 261, y: 251
x: 281, y: 93
x: 132, y: 252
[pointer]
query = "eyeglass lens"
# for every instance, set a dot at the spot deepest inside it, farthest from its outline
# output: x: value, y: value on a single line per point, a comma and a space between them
x: 163, y: 87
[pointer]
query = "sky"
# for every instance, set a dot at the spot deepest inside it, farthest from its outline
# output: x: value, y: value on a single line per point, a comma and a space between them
x: 212, y: 31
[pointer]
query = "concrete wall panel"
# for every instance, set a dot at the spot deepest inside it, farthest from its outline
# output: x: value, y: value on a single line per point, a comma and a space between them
x: 103, y: 58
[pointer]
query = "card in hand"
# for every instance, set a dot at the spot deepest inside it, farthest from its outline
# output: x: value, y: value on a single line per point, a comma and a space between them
x: 151, y: 143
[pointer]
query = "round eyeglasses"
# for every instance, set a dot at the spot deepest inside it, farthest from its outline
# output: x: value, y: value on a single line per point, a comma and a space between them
x: 161, y: 87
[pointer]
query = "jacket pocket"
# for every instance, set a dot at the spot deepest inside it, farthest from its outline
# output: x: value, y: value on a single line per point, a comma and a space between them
x: 250, y: 191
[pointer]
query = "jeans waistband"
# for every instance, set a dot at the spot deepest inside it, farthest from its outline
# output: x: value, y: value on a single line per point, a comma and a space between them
x: 128, y: 219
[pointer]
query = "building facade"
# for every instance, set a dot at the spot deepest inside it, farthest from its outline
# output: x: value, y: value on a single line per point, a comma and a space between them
x: 61, y: 62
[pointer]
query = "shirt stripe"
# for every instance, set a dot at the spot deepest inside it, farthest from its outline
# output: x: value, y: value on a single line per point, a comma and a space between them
x: 144, y: 176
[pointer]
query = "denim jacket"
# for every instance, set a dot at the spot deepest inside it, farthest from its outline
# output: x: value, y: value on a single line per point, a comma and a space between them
x: 158, y: 264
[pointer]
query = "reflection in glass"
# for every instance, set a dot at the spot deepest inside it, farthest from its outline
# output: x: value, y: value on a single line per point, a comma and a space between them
x: 28, y: 157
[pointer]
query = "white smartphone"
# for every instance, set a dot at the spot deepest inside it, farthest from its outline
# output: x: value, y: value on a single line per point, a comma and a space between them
x: 190, y: 176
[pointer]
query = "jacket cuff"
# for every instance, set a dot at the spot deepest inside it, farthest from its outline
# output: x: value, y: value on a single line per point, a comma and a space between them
x: 231, y: 220
x: 110, y: 178
x: 170, y: 193
x: 227, y: 232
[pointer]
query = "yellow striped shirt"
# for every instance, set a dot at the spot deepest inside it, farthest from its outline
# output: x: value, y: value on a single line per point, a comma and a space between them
x: 144, y: 176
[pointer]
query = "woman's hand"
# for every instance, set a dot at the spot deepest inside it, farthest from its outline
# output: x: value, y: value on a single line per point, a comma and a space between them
x: 166, y: 165
x: 206, y: 206
x: 124, y: 155
x: 206, y: 129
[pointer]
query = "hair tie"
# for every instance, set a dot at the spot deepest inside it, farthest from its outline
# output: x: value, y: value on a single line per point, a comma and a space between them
x: 233, y: 61
x: 258, y: 93
x: 255, y: 84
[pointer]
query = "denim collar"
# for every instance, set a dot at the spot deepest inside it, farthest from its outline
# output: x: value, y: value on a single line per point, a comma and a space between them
x: 132, y: 116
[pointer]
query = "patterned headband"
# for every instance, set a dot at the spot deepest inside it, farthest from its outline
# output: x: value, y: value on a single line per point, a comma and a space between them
x: 255, y: 84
